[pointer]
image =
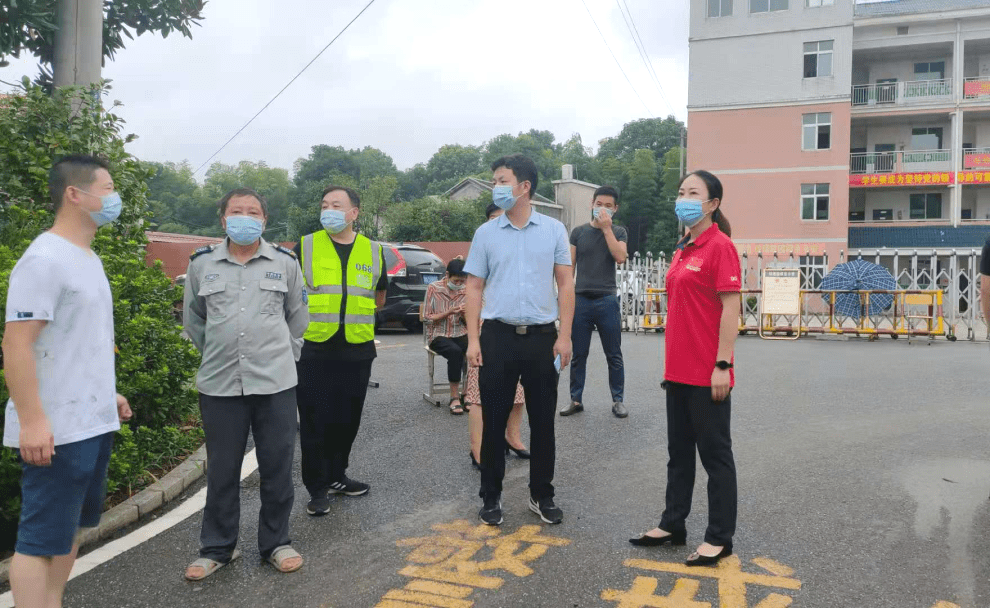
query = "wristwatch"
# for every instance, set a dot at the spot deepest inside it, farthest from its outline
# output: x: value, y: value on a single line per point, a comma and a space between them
x: 723, y: 365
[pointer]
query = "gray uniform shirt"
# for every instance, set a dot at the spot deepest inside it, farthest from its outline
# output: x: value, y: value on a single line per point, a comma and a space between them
x: 244, y: 319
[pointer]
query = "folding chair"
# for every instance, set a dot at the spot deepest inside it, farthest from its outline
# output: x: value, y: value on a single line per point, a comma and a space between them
x: 435, y: 392
x: 915, y: 303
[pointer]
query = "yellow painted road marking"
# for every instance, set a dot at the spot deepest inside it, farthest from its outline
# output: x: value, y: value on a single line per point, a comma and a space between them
x: 447, y: 566
x: 642, y: 595
x: 944, y: 604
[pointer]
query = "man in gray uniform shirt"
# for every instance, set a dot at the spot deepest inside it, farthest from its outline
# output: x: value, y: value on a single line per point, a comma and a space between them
x: 596, y: 248
x: 244, y: 306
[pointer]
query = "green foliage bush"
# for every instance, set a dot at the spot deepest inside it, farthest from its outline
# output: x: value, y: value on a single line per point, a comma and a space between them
x: 155, y: 365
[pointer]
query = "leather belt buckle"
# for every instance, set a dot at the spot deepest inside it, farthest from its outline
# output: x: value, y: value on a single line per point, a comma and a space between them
x: 522, y: 330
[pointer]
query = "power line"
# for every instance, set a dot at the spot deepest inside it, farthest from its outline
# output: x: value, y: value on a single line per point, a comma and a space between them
x: 313, y: 60
x: 616, y: 59
x: 638, y: 41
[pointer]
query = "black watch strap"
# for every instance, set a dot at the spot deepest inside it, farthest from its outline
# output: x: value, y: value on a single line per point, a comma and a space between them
x: 723, y: 365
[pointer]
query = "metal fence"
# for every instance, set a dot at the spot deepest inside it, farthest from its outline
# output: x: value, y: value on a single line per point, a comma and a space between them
x: 955, y: 272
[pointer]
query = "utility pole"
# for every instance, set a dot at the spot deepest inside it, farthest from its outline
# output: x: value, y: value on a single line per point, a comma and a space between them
x: 78, y: 56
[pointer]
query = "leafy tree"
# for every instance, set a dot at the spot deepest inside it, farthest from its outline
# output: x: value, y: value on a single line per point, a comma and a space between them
x: 663, y: 234
x: 270, y: 182
x: 177, y: 202
x: 638, y: 210
x: 413, y: 182
x: 655, y: 134
x: 435, y: 219
x: 156, y: 365
x: 30, y: 25
x: 454, y: 162
x: 586, y: 167
x: 323, y: 161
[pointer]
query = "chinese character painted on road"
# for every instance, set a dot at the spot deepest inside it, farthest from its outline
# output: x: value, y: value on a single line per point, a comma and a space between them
x: 728, y: 575
x: 462, y: 557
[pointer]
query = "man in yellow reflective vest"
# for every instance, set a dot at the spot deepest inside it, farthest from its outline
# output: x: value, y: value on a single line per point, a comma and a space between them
x: 345, y: 282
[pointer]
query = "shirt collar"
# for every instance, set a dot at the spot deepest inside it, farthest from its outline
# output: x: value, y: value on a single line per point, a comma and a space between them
x: 265, y: 249
x: 534, y: 218
x: 705, y: 236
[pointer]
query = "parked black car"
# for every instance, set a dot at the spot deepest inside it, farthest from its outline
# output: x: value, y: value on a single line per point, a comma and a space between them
x: 410, y: 271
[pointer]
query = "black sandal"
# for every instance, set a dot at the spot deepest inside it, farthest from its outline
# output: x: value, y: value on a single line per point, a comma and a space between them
x: 458, y: 409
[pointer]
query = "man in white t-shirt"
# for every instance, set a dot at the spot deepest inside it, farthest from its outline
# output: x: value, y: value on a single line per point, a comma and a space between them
x: 58, y: 349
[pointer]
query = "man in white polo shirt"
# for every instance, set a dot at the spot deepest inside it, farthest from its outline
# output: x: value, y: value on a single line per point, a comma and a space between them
x: 58, y: 348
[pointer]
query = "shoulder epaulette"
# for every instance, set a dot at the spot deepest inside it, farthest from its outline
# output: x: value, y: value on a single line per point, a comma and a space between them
x: 286, y: 251
x: 201, y: 251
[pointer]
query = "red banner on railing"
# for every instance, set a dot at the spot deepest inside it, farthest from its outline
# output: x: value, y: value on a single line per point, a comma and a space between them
x: 977, y: 88
x: 901, y: 179
x: 977, y: 160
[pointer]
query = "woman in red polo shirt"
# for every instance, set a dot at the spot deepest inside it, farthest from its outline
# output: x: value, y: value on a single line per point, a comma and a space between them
x: 702, y: 324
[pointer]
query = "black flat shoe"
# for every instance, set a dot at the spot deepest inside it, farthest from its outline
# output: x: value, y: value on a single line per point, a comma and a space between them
x: 676, y: 539
x: 704, y: 560
x: 474, y: 462
x: 524, y: 454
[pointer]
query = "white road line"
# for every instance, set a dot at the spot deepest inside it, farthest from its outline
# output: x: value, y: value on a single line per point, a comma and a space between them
x: 107, y: 552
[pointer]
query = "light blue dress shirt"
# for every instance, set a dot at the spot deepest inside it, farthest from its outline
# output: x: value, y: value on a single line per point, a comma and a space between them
x: 517, y: 266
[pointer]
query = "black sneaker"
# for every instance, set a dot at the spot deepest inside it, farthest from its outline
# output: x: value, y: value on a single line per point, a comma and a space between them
x: 319, y: 504
x: 349, y: 487
x: 548, y: 512
x: 491, y: 512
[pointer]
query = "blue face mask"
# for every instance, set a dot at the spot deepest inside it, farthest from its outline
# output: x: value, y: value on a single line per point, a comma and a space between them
x: 110, y: 207
x: 243, y: 229
x: 502, y: 196
x: 689, y: 211
x: 596, y: 211
x: 333, y: 220
x: 454, y: 286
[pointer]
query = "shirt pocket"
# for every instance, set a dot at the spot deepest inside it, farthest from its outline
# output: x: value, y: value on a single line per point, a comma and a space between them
x: 217, y: 300
x: 272, y: 296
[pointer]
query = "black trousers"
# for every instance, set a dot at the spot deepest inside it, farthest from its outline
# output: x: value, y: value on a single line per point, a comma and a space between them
x: 509, y: 358
x: 331, y: 400
x: 227, y: 422
x: 694, y: 420
x: 454, y: 350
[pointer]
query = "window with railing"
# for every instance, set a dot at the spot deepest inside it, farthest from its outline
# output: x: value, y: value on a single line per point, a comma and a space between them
x: 814, y: 202
x: 766, y: 6
x: 719, y: 8
x: 817, y: 131
x: 818, y: 58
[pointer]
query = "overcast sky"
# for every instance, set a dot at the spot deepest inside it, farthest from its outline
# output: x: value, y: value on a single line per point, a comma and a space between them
x: 407, y: 77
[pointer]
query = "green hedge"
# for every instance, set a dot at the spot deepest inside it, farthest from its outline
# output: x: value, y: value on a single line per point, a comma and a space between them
x: 156, y: 366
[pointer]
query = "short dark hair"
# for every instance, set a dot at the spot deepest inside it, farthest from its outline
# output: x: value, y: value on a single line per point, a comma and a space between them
x: 523, y: 168
x: 456, y: 268
x: 607, y: 191
x: 73, y: 170
x: 351, y: 194
x: 492, y: 208
x: 222, y: 205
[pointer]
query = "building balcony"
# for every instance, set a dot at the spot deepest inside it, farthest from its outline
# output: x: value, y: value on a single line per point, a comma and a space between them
x: 910, y: 93
x: 905, y: 161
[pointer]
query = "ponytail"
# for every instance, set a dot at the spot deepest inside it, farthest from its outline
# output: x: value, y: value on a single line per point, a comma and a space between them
x: 723, y: 222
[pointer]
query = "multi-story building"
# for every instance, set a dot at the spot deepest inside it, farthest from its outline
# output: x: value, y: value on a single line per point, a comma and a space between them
x: 844, y: 124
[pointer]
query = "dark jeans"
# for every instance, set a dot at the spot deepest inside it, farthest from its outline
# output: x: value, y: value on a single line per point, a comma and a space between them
x: 604, y: 314
x: 693, y: 419
x: 454, y: 350
x: 331, y: 401
x: 508, y: 359
x: 227, y: 422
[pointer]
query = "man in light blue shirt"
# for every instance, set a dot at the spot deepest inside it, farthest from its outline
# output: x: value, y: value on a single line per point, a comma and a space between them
x: 516, y: 261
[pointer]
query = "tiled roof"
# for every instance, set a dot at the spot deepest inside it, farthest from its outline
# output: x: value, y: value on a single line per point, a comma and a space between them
x: 913, y: 7
x: 920, y: 237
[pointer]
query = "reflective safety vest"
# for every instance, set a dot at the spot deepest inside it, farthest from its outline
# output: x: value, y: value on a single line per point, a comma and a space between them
x: 322, y: 271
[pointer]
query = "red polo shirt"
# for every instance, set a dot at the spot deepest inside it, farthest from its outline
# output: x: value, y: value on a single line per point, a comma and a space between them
x: 698, y: 273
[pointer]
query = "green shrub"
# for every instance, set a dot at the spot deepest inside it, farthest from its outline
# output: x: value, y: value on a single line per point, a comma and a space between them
x: 156, y: 365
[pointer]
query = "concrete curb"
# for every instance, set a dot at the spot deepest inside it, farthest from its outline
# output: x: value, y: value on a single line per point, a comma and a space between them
x: 141, y: 504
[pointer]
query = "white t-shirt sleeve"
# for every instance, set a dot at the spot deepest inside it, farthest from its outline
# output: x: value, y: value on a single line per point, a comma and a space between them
x: 34, y: 289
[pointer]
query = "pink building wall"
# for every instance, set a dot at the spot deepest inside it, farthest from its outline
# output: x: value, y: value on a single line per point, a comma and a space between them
x: 757, y: 154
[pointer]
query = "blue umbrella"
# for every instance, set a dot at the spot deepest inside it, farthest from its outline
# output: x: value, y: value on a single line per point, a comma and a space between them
x: 860, y: 275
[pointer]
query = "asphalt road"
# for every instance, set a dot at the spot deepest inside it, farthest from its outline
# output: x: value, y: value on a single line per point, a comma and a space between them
x: 863, y: 475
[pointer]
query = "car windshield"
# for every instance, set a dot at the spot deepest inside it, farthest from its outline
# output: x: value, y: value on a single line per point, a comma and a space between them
x: 420, y: 258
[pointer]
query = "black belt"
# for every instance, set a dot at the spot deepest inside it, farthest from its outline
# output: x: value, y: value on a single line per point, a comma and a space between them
x: 594, y: 295
x: 522, y: 330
